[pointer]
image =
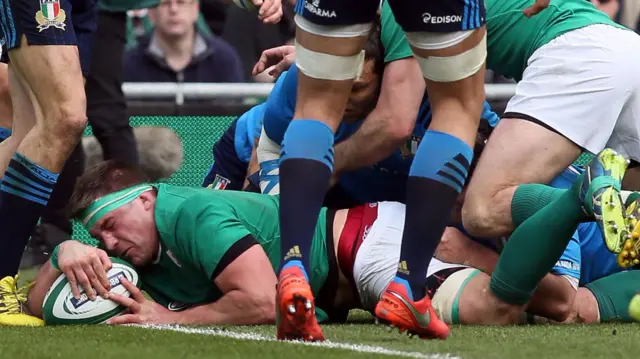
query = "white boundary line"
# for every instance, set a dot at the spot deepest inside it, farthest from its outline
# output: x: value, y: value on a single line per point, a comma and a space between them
x: 326, y: 344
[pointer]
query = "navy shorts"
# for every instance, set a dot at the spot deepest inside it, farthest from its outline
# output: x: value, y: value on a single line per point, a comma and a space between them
x: 50, y: 22
x: 411, y: 15
x: 228, y: 171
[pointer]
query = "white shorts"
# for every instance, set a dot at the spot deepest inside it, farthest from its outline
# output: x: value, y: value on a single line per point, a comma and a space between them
x: 585, y: 84
x: 377, y: 260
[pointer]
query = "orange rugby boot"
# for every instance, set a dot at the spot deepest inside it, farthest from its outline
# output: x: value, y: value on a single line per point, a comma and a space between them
x: 416, y: 318
x: 295, y: 308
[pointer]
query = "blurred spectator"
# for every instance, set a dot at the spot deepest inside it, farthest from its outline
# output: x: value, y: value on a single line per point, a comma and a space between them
x: 139, y: 26
x: 177, y: 52
x: 250, y: 37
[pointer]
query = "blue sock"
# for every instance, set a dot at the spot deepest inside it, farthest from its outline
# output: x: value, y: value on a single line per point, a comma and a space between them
x: 24, y: 193
x: 437, y: 175
x: 4, y: 133
x: 306, y: 164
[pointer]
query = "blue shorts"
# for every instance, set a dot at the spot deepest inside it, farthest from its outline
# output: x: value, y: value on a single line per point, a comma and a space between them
x: 228, y: 170
x: 411, y: 15
x: 50, y: 22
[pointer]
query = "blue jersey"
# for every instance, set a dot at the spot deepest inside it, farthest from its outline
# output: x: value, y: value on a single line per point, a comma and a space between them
x: 385, y: 180
x: 248, y: 128
x: 586, y: 257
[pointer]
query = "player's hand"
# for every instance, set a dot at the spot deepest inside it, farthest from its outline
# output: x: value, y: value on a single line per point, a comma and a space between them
x: 453, y: 247
x: 277, y: 60
x: 85, y: 267
x: 270, y: 10
x: 536, y: 8
x: 142, y: 310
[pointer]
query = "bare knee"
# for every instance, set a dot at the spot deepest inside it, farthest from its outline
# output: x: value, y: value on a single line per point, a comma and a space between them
x: 487, y: 215
x: 67, y: 124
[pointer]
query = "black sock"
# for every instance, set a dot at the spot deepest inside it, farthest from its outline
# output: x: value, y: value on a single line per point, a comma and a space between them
x: 306, y: 164
x: 24, y: 192
x: 437, y: 175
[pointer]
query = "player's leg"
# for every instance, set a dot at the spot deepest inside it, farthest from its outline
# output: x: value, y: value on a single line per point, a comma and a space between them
x: 448, y: 39
x: 5, y: 102
x: 11, y: 309
x: 495, y: 203
x: 330, y: 36
x: 612, y: 294
x: 47, y: 64
x: 548, y: 100
x: 22, y: 120
x: 537, y: 243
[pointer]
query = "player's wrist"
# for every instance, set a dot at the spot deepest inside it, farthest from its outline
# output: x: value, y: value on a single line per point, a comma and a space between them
x: 54, y: 257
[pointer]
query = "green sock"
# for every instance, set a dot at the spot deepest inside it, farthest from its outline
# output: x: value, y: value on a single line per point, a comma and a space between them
x: 614, y: 293
x: 535, y: 246
x: 530, y: 198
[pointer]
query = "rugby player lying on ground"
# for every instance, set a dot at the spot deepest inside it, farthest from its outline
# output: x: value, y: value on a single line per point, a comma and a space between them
x: 197, y: 249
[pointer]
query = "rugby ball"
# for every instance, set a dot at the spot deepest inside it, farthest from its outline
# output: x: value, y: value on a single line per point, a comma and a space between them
x: 246, y: 4
x: 61, y: 308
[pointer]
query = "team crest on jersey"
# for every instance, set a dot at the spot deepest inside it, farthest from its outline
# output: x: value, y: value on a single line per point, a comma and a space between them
x: 50, y: 15
x: 220, y: 182
x: 410, y: 147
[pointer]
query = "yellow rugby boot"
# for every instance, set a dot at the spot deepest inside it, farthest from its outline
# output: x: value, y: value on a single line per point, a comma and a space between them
x: 12, y: 301
x: 600, y: 194
x: 628, y: 257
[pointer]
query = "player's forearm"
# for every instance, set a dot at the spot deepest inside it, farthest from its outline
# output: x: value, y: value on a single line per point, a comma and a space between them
x: 43, y: 282
x: 234, y: 308
x: 372, y: 143
x: 389, y: 125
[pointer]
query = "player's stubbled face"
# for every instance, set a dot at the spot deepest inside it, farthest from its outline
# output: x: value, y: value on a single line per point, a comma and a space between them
x: 363, y: 97
x: 129, y: 232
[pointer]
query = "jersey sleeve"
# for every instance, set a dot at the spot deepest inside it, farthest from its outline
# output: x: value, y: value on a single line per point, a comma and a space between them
x: 489, y: 116
x: 212, y: 235
x: 570, y: 261
x: 396, y: 46
x: 280, y: 105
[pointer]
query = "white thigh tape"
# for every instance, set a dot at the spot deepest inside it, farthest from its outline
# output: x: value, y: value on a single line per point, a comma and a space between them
x: 328, y: 67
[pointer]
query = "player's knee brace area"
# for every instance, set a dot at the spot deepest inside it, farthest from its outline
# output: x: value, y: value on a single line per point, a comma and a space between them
x: 449, y: 68
x: 324, y: 66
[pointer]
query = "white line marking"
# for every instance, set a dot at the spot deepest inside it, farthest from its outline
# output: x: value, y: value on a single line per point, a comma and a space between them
x: 326, y: 344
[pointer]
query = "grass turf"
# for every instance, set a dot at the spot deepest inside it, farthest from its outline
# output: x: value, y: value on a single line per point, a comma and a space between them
x: 535, y: 342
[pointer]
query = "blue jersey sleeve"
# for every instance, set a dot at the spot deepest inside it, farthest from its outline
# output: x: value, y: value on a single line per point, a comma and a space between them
x: 280, y: 105
x: 490, y: 116
x: 570, y: 261
x: 247, y: 130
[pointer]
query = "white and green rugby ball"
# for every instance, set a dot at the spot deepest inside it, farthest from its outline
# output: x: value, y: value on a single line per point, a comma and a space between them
x: 61, y: 308
x: 246, y: 4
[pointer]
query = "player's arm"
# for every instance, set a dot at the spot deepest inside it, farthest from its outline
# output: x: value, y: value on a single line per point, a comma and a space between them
x: 248, y: 284
x: 278, y: 115
x: 554, y: 295
x: 390, y: 123
x: 45, y: 278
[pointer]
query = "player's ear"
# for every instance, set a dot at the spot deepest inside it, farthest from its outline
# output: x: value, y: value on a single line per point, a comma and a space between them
x: 148, y: 199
